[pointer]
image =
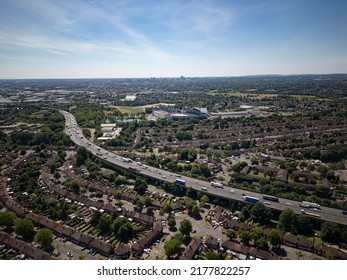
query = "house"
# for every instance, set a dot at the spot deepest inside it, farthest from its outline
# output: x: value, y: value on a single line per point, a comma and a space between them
x: 109, y: 208
x: 235, y: 247
x: 82, y: 238
x: 323, y: 250
x: 177, y: 206
x: 219, y: 217
x: 34, y: 217
x: 122, y: 252
x: 102, y: 247
x: 3, y: 236
x: 157, y: 204
x: 64, y: 230
x: 193, y: 248
x: 211, y: 242
x: 262, y: 254
x: 282, y: 175
x: 44, y: 222
x: 298, y: 242
x: 235, y: 224
x: 245, y: 170
x: 19, y: 210
x: 148, y: 239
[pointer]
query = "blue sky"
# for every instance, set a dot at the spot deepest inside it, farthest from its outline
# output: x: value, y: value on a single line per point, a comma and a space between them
x: 158, y: 38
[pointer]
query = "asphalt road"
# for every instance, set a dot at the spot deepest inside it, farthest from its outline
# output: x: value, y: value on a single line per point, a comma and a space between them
x: 76, y: 135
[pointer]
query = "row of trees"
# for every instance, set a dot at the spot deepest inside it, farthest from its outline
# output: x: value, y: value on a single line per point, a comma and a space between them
x: 120, y: 226
x: 25, y: 228
x: 172, y: 247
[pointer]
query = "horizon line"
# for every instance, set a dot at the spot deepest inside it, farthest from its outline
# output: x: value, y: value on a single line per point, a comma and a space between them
x: 177, y: 77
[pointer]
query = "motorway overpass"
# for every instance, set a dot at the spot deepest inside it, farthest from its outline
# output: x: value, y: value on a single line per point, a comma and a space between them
x: 76, y: 135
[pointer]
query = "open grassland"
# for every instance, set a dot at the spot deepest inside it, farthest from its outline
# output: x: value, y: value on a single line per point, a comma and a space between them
x: 128, y: 109
x: 136, y: 109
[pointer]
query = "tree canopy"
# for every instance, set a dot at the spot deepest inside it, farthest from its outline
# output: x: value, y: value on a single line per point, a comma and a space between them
x: 186, y: 227
x: 24, y: 227
x: 44, y: 237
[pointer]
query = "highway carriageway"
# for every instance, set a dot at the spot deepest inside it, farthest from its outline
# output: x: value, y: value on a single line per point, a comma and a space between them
x: 234, y: 194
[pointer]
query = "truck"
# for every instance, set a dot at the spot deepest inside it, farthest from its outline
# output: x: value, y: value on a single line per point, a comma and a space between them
x: 133, y: 168
x: 307, y: 204
x: 314, y: 215
x: 180, y: 182
x: 270, y: 197
x: 217, y: 185
x: 251, y: 199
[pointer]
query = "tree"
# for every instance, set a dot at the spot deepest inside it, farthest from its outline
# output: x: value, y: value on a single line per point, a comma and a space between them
x: 171, y: 222
x: 256, y: 233
x: 94, y: 221
x: 231, y: 234
x: 196, y: 211
x: 7, y: 219
x: 140, y: 186
x: 287, y: 220
x: 275, y: 238
x: 172, y: 247
x: 190, y: 205
x: 186, y: 227
x: 44, y: 237
x: 262, y: 243
x: 245, y: 212
x: 330, y: 232
x: 57, y: 175
x: 24, y: 227
x: 245, y: 236
x: 147, y: 201
x: 118, y: 195
x: 204, y: 199
x: 82, y: 155
x: 122, y: 228
x: 104, y: 224
x: 167, y: 208
x: 125, y: 232
x: 260, y: 213
x: 210, y: 255
x: 74, y: 186
x: 304, y: 225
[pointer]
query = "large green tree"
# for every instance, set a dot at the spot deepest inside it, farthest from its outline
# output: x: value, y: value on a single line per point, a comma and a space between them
x: 172, y: 247
x: 122, y: 228
x: 44, y: 237
x: 330, y: 232
x: 275, y: 238
x: 304, y: 225
x: 24, y: 227
x: 186, y: 227
x: 287, y: 220
x: 260, y: 213
x: 104, y: 224
x: 7, y: 219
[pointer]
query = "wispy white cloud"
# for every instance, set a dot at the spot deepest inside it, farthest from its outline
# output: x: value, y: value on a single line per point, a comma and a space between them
x: 65, y: 29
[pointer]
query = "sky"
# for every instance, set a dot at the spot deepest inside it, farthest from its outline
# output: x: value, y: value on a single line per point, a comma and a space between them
x: 170, y: 38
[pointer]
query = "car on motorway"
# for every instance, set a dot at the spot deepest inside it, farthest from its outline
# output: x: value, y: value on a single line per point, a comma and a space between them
x: 232, y: 191
x: 164, y: 177
x: 289, y: 204
x: 267, y: 202
x: 69, y: 254
x: 204, y: 189
x: 316, y: 210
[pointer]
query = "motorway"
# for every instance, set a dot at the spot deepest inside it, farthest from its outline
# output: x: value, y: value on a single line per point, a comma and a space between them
x: 76, y: 135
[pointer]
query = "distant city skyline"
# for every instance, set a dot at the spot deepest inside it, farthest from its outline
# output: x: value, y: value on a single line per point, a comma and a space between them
x: 153, y: 38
